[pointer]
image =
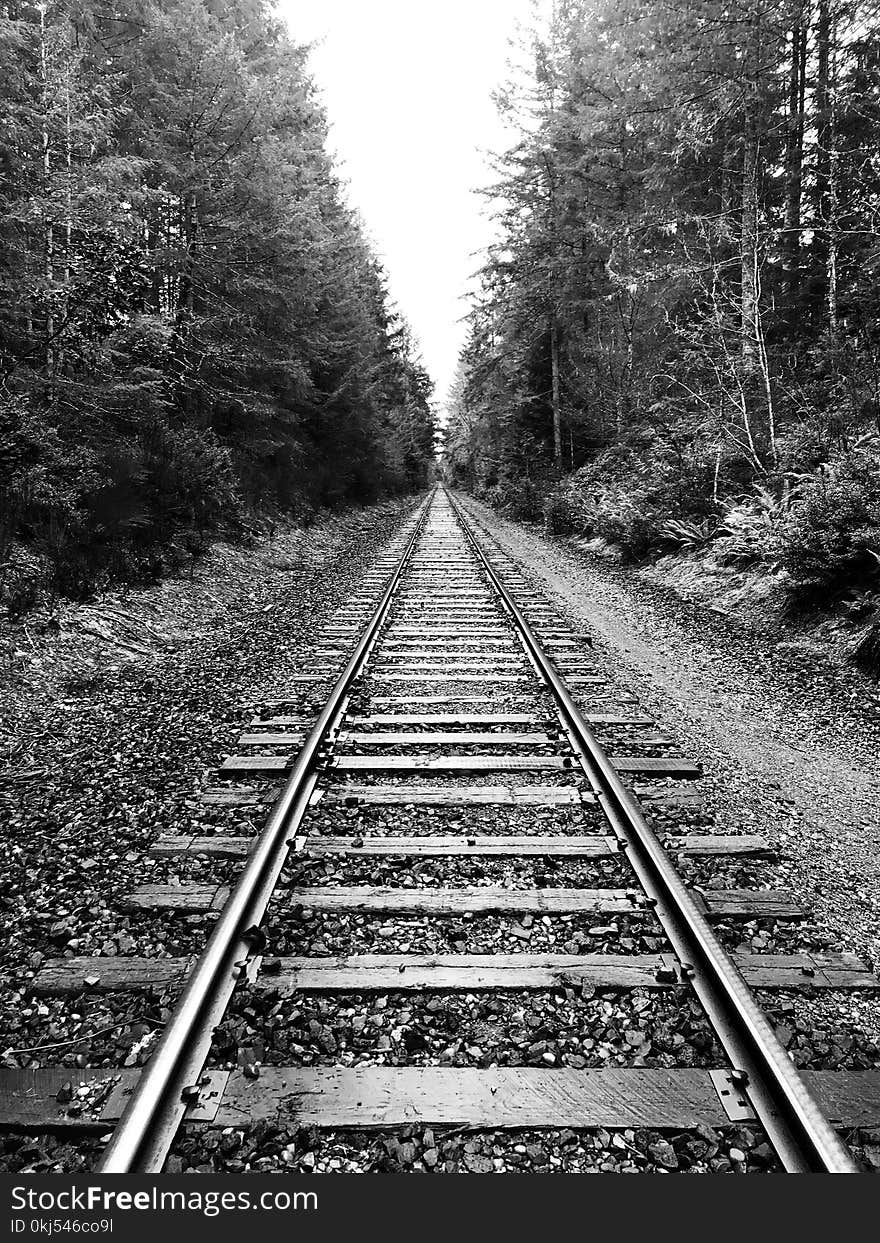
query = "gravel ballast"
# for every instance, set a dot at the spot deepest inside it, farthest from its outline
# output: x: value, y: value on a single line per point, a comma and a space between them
x: 147, y: 733
x: 788, y: 735
x: 108, y: 742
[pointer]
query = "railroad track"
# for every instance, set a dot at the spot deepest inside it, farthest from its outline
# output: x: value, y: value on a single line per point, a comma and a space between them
x: 464, y: 816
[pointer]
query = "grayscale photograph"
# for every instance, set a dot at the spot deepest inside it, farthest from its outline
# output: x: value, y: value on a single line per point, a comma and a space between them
x: 439, y: 603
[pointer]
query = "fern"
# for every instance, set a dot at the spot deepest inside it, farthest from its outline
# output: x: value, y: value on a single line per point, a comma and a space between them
x: 690, y: 533
x: 754, y: 526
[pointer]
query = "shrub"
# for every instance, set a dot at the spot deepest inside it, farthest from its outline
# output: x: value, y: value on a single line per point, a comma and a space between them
x: 525, y: 501
x: 832, y: 540
x: 25, y: 577
x: 866, y: 651
x: 690, y: 533
x: 754, y: 526
x: 623, y: 520
x: 517, y: 498
x: 621, y: 496
x: 629, y: 521
x: 559, y: 514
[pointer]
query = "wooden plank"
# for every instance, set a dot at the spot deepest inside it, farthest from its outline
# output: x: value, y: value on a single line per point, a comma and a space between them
x: 449, y: 668
x: 109, y: 975
x: 750, y: 904
x: 237, y: 798
x: 572, y: 845
x: 463, y: 739
x: 450, y: 763
x: 268, y: 764
x: 592, y: 846
x: 479, y: 899
x: 450, y: 631
x: 182, y: 899
x: 648, y: 740
x: 418, y: 654
x: 720, y: 904
x: 452, y: 662
x: 453, y: 796
x: 270, y: 739
x: 683, y: 795
x: 265, y: 705
x: 385, y: 1096
x: 669, y: 765
x: 504, y: 1097
x: 456, y: 972
x: 445, y: 618
x: 254, y: 764
x: 805, y: 971
x: 29, y: 1098
x: 400, y: 698
x: 219, y: 846
x: 455, y: 718
x: 460, y: 972
x: 385, y: 973
x: 417, y: 660
x: 390, y: 643
x: 711, y: 844
x: 847, y: 1098
x: 380, y: 1096
x: 444, y: 718
x: 441, y: 677
x: 845, y: 964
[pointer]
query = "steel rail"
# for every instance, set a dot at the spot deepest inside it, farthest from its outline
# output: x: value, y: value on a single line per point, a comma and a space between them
x: 795, y: 1125
x: 168, y: 1086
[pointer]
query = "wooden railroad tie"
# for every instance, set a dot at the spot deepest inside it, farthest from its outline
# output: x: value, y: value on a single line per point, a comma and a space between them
x: 587, y: 846
x: 357, y: 973
x: 192, y: 899
x: 671, y: 766
x: 376, y: 1097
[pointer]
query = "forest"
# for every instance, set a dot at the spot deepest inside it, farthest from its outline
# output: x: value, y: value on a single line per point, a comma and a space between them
x: 674, y: 343
x: 194, y: 330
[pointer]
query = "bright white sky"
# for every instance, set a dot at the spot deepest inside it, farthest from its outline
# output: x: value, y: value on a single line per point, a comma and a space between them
x: 407, y: 86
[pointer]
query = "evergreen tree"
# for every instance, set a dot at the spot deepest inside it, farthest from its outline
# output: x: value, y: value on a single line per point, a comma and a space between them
x: 191, y: 320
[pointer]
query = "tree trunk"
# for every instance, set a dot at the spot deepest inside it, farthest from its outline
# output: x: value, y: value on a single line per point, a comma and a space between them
x: 749, y: 242
x: 68, y: 203
x: 750, y: 323
x: 49, y: 251
x: 823, y: 149
x: 832, y: 223
x: 794, y: 158
x: 555, y: 398
x: 188, y: 228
